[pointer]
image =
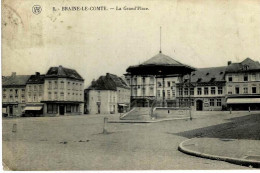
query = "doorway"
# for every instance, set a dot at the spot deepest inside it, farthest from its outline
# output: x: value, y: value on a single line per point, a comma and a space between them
x: 61, y: 110
x: 199, y: 105
x: 11, y: 111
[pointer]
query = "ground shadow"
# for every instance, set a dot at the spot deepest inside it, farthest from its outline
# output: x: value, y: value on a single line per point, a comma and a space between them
x: 246, y: 127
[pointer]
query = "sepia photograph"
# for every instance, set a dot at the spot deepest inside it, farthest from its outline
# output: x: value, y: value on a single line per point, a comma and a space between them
x: 130, y: 85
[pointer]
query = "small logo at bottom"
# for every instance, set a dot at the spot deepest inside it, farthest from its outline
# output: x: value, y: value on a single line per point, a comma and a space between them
x: 36, y: 9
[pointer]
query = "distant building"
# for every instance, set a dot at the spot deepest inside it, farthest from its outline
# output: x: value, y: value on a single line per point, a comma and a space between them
x: 34, y: 95
x: 108, y: 94
x: 13, y: 94
x: 206, y: 90
x: 243, y: 85
x: 63, y: 92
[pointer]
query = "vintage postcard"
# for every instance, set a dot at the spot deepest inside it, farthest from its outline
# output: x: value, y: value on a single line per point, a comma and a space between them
x: 130, y: 85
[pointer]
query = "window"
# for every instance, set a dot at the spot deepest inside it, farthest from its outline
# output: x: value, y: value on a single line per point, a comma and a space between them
x: 253, y: 77
x: 151, y: 91
x: 52, y: 108
x: 76, y: 86
x: 144, y: 91
x: 4, y: 96
x: 212, y: 90
x: 180, y: 92
x: 220, y: 90
x: 143, y: 80
x: 253, y: 90
x: 206, y: 91
x: 56, y: 96
x: 11, y: 98
x: 62, y: 95
x: 50, y: 85
x: 173, y: 93
x: 218, y: 102
x: 49, y: 95
x: 191, y: 91
x: 169, y: 84
x: 230, y: 78
x: 158, y: 93
x: 55, y: 85
x: 159, y: 84
x: 211, y: 102
x: 192, y: 102
x: 151, y: 80
x: 237, y: 90
x: 169, y: 94
x: 34, y: 97
x: 199, y: 92
x: 34, y: 87
x: 68, y: 108
x: 245, y: 90
x: 186, y: 91
x: 80, y: 87
x: 245, y: 77
x: 40, y: 94
x: 62, y: 85
x: 30, y: 88
x: 11, y: 90
x: 16, y: 91
x: 68, y: 85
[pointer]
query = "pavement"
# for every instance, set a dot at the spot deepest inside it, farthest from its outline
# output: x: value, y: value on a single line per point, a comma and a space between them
x: 237, y: 151
x: 77, y: 142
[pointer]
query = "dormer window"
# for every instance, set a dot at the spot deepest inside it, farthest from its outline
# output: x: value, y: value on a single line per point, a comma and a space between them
x: 246, y: 67
x: 199, y: 80
x: 212, y: 79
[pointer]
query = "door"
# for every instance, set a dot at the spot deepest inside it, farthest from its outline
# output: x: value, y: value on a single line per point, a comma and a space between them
x: 62, y: 110
x: 199, y: 105
x: 11, y: 111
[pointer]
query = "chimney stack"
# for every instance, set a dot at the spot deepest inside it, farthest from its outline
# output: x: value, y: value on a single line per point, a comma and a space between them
x: 13, y: 74
x: 229, y: 62
x: 37, y: 73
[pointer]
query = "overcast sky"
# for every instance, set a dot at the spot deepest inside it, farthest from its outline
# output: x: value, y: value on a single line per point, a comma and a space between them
x: 200, y: 34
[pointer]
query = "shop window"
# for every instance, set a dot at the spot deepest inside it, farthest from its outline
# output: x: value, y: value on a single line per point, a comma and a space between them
x: 68, y: 108
x: 52, y: 108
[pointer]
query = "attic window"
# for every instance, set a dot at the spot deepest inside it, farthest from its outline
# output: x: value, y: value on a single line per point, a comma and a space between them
x: 246, y: 67
x: 199, y: 80
x: 212, y: 79
x: 207, y: 74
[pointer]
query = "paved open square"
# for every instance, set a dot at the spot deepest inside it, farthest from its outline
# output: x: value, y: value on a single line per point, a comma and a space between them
x: 77, y: 142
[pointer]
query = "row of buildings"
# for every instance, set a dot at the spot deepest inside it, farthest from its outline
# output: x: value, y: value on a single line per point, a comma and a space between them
x: 58, y: 92
x: 160, y: 82
x: 234, y: 86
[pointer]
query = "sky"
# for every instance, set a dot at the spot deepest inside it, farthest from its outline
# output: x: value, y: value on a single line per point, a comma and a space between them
x: 197, y: 33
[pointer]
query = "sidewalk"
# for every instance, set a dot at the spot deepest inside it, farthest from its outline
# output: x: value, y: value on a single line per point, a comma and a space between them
x: 241, y: 152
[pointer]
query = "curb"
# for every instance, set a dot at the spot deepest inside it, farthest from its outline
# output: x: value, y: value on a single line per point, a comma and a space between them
x: 148, y: 121
x: 243, y: 162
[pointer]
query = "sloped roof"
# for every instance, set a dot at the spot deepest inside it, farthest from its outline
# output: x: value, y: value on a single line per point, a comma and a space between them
x: 63, y: 72
x: 207, y: 75
x: 15, y: 80
x: 108, y: 82
x: 239, y: 67
x: 36, y: 79
x: 160, y: 64
x: 161, y: 59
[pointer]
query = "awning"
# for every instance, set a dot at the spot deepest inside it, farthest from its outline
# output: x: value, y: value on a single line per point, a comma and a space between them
x: 32, y: 108
x: 242, y: 100
x: 122, y: 104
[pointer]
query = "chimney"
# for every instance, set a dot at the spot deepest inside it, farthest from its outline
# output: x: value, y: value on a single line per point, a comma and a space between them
x: 13, y: 74
x: 229, y: 62
x: 37, y: 73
